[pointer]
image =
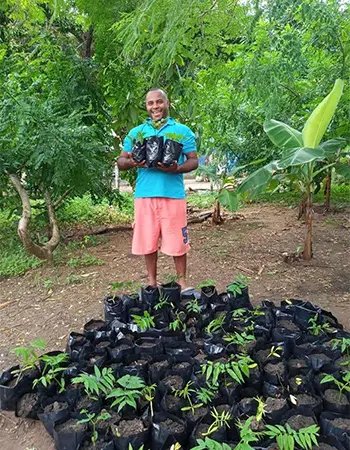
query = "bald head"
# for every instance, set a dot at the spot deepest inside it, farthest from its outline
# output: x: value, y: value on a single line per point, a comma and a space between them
x: 157, y: 104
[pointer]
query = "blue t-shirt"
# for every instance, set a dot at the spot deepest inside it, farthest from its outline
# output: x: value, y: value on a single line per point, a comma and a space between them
x: 151, y: 182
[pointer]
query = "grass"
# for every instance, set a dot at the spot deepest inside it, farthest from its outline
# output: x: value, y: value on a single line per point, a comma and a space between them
x: 84, y: 261
x: 203, y: 201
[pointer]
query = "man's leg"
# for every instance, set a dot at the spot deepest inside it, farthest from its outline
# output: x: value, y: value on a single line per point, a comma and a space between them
x: 151, y: 265
x: 180, y: 267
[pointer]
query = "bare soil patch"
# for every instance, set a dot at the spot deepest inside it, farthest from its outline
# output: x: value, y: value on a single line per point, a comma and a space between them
x: 252, y: 245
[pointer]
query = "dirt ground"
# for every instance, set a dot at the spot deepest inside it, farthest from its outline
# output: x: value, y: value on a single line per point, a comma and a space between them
x: 31, y: 307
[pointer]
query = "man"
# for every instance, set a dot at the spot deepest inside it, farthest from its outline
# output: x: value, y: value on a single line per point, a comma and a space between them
x: 160, y: 206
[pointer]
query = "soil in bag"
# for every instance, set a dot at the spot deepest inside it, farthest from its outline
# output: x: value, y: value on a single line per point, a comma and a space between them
x: 167, y: 430
x: 53, y: 413
x: 69, y: 435
x: 171, y: 152
x: 28, y: 406
x: 154, y: 150
x: 138, y: 152
x: 133, y: 432
x: 337, y: 426
x: 335, y: 401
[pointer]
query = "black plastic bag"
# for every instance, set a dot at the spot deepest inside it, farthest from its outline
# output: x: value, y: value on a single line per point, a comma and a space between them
x: 11, y: 390
x: 171, y: 152
x: 138, y: 152
x: 53, y: 413
x: 167, y: 430
x: 154, y: 150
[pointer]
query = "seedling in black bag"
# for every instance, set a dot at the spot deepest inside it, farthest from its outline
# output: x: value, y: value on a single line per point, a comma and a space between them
x: 260, y: 411
x: 186, y: 393
x: 128, y: 391
x: 343, y: 384
x: 241, y: 339
x: 28, y: 356
x: 342, y: 344
x: 316, y: 328
x: 220, y: 420
x: 93, y: 419
x: 54, y: 365
x: 235, y: 370
x: 216, y: 324
x: 163, y: 301
x: 149, y: 393
x: 206, y: 395
x: 288, y: 439
x: 98, y: 383
x: 178, y: 323
x: 239, y: 283
x: 144, y: 322
x: 210, y: 444
x: 193, y: 307
x: 247, y: 435
x: 275, y: 351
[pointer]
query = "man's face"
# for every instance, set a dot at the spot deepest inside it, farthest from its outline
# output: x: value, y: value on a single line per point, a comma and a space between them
x: 157, y: 105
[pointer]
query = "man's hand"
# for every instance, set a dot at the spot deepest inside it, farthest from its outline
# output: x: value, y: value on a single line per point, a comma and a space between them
x: 170, y: 169
x: 125, y: 161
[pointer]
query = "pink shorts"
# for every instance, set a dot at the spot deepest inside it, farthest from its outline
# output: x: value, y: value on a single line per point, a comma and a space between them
x: 160, y: 224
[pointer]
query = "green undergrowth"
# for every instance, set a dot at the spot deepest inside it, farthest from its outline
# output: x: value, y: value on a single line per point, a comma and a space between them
x: 340, y: 196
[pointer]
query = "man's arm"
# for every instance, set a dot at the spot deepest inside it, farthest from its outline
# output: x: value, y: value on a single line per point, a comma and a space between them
x: 126, y: 162
x: 190, y: 164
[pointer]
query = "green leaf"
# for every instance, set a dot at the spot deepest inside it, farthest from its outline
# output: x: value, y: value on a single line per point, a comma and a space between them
x: 283, y: 135
x: 228, y: 199
x: 258, y: 180
x: 321, y: 116
x: 343, y: 170
x: 300, y: 156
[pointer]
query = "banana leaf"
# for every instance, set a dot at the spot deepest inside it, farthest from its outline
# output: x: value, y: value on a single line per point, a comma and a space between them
x: 300, y: 156
x: 321, y: 116
x: 229, y: 199
x: 258, y: 180
x: 282, y: 134
x: 343, y: 170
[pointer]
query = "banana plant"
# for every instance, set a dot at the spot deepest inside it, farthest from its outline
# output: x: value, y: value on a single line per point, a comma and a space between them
x: 301, y: 155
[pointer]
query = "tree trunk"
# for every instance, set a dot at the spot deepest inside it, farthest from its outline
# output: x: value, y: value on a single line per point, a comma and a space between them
x: 327, y: 191
x: 302, y: 208
x: 217, y: 218
x: 88, y: 43
x: 40, y: 251
x: 307, y: 252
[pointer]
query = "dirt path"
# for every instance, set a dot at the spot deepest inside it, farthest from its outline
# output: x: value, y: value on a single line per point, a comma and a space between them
x: 44, y: 303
